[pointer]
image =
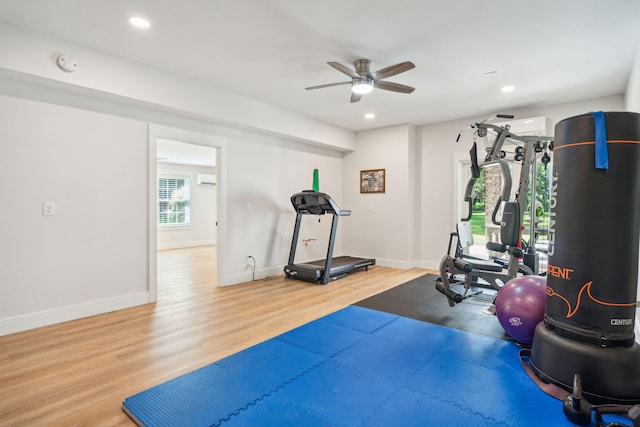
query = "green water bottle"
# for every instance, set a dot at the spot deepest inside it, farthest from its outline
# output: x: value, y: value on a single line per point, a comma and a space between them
x: 316, y: 182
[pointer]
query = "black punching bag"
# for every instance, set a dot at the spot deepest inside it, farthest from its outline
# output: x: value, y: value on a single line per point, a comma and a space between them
x: 595, y: 216
x: 592, y: 275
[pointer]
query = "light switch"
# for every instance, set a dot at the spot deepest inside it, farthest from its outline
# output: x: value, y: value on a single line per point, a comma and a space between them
x: 48, y: 209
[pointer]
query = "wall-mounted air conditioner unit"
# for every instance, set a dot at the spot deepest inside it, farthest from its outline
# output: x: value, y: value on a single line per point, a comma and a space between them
x: 540, y: 126
x: 206, y: 179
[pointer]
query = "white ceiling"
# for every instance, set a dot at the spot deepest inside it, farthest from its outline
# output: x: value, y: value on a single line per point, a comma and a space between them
x: 176, y: 152
x: 552, y: 50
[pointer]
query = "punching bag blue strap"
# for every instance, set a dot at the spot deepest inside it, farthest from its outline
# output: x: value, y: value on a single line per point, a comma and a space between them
x: 602, y: 155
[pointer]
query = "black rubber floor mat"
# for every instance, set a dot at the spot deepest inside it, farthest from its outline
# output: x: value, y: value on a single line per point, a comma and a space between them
x: 418, y: 299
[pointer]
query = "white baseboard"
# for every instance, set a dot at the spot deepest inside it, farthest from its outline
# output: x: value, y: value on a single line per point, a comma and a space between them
x: 248, y: 276
x: 429, y: 264
x: 63, y: 314
x: 394, y: 263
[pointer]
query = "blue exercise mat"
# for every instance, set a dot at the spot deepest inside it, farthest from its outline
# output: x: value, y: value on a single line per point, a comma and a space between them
x: 356, y: 367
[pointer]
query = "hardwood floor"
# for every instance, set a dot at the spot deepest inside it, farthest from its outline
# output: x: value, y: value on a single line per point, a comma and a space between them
x: 78, y: 373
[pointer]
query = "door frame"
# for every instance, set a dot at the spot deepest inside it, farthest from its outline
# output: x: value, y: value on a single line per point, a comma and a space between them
x: 155, y: 132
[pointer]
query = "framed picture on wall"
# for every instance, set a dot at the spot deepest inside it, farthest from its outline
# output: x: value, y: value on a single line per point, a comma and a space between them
x: 372, y: 181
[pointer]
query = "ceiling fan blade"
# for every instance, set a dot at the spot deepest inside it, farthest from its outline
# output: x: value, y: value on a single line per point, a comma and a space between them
x: 355, y: 97
x: 344, y: 69
x: 393, y: 70
x: 394, y: 87
x: 328, y: 85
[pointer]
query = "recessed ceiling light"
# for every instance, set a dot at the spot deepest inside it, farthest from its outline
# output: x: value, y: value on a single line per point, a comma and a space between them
x: 139, y: 22
x: 509, y: 88
x: 369, y: 116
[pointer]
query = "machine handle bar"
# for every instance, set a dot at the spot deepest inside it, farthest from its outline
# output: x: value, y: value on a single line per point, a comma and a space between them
x: 463, y: 266
x: 452, y: 295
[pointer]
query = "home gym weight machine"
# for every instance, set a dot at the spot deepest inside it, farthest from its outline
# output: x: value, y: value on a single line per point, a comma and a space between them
x: 493, y: 273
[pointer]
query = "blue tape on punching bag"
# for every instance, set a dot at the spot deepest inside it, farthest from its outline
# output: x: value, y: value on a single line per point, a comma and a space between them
x: 602, y: 154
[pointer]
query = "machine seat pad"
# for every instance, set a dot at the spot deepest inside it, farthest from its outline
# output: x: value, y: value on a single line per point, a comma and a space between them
x: 480, y: 264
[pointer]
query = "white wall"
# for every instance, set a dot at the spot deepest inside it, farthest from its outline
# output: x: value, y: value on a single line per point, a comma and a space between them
x: 632, y: 95
x: 90, y: 257
x: 262, y: 174
x: 93, y: 256
x: 203, y: 203
x: 382, y: 225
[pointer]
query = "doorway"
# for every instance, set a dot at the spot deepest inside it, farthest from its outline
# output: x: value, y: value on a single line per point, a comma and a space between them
x: 187, y: 194
x: 185, y: 198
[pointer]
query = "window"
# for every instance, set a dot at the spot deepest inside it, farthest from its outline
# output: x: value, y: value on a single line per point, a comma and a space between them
x: 173, y: 201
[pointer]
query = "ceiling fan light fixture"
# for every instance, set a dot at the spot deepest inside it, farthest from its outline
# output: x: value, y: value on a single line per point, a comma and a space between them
x: 362, y: 86
x: 363, y: 80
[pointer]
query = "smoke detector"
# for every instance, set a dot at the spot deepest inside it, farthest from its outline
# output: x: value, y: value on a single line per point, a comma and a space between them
x: 67, y: 63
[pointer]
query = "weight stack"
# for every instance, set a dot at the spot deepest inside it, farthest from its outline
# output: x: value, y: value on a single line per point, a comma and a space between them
x: 593, y: 259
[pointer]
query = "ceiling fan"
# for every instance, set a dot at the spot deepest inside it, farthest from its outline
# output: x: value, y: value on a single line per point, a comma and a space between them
x: 363, y: 80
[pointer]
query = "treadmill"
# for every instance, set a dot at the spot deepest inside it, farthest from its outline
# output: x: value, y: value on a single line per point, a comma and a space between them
x: 322, y: 271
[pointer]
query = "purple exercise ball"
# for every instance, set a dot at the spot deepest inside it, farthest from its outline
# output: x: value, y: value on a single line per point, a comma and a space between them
x: 520, y: 306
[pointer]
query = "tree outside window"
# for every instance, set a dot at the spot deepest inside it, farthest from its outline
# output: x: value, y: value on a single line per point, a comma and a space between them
x: 173, y: 201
